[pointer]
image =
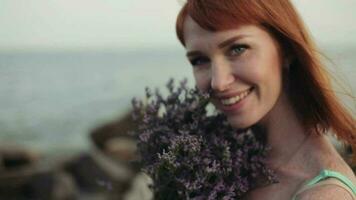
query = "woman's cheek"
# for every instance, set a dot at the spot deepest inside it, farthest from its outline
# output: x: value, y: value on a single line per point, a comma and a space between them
x: 202, y: 80
x: 250, y: 73
x: 257, y: 76
x: 256, y: 67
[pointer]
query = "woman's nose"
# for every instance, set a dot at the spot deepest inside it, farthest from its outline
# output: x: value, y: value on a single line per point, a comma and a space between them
x: 221, y: 76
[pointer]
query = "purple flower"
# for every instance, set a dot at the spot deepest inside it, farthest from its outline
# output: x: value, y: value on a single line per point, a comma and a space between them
x: 191, y: 155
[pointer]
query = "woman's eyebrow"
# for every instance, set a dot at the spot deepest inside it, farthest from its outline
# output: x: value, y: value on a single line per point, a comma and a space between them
x: 231, y: 40
x: 221, y: 45
x: 193, y: 53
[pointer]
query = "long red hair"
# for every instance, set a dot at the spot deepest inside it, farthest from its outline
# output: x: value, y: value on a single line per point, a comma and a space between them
x: 310, y: 89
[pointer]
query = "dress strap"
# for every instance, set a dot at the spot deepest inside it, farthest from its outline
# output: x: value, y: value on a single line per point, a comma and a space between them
x: 332, y: 174
x: 342, y: 181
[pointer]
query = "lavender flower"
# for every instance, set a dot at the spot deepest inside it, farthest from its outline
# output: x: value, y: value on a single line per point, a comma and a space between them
x: 191, y: 155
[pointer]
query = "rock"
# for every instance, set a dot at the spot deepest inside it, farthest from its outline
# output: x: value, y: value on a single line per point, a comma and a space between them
x: 87, y: 174
x: 51, y: 186
x: 23, y: 176
x: 14, y: 157
x: 121, y: 148
x: 140, y: 188
x: 120, y: 127
x: 114, y: 150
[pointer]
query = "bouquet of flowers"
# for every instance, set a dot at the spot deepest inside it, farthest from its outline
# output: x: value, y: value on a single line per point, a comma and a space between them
x: 192, y: 155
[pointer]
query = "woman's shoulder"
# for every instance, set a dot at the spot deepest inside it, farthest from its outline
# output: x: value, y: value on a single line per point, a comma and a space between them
x: 322, y: 154
x: 332, y: 172
x: 328, y: 190
x: 331, y: 161
x: 328, y: 184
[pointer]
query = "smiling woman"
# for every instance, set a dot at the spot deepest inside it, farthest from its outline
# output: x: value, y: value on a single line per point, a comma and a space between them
x: 248, y: 58
x: 262, y: 70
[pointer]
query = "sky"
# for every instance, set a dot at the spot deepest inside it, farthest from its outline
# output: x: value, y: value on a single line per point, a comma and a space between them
x: 120, y: 24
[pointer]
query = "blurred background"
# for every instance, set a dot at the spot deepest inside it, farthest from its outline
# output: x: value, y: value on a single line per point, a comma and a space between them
x: 67, y: 67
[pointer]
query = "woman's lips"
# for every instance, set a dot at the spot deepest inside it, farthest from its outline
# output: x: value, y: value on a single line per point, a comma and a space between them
x: 235, y: 106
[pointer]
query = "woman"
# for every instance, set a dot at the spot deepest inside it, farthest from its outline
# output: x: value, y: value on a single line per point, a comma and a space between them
x: 257, y: 59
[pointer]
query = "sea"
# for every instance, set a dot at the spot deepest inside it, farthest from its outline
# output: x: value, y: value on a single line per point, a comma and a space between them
x: 51, y: 101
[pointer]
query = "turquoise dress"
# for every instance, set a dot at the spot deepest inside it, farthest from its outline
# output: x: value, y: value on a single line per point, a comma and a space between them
x: 324, y: 174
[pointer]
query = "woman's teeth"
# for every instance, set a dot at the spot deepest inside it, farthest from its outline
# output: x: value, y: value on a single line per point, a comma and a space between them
x: 235, y: 99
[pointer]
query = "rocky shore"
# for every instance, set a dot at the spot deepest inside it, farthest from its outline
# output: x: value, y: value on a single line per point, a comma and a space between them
x: 107, y: 171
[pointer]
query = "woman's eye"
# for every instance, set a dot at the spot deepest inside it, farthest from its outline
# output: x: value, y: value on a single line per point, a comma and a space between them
x: 237, y: 49
x: 198, y: 61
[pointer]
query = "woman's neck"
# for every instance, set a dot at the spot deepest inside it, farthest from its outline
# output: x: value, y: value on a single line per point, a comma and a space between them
x: 285, y: 133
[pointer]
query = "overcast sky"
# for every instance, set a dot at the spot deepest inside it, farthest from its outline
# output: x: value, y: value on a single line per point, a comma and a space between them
x: 111, y: 24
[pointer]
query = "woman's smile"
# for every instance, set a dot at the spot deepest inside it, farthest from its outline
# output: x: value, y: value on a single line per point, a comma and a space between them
x: 234, y: 103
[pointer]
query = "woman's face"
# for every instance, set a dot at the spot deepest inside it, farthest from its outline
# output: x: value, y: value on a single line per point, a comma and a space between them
x: 242, y: 67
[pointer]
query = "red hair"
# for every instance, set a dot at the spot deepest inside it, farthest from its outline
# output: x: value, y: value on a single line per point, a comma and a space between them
x: 310, y: 89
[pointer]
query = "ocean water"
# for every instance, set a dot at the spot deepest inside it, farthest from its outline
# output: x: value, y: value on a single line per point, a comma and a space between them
x: 51, y: 101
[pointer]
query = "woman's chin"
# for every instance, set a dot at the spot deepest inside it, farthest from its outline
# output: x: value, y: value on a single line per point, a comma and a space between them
x: 240, y: 123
